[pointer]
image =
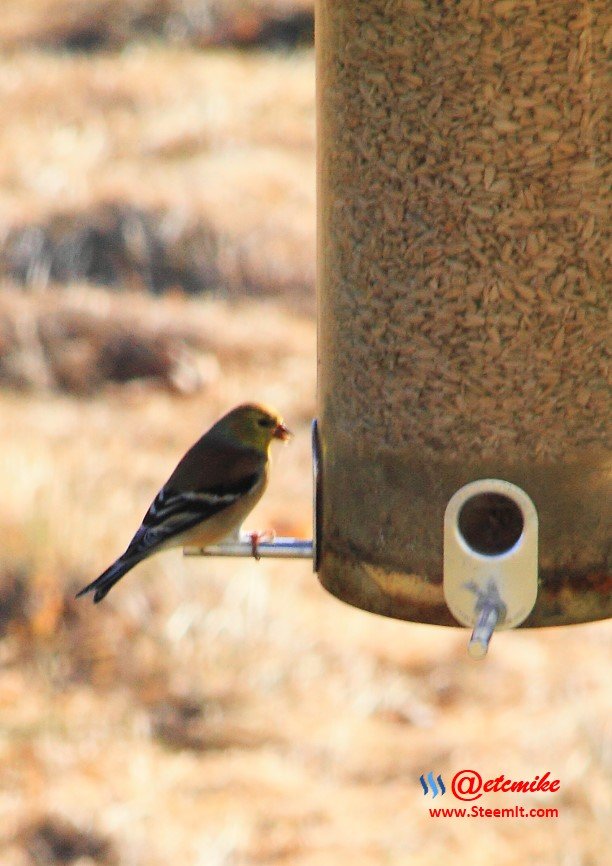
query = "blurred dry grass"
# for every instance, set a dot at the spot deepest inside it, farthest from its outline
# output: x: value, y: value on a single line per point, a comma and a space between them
x: 80, y: 341
x: 181, y: 164
x: 110, y: 24
x: 220, y: 713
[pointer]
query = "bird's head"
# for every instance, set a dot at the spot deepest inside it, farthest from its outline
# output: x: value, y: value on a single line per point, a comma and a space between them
x: 255, y: 425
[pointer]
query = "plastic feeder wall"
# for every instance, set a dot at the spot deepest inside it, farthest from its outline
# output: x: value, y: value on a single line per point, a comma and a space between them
x: 462, y: 293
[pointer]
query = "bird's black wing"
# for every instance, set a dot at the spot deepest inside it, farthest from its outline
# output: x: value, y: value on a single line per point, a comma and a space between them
x: 173, y: 512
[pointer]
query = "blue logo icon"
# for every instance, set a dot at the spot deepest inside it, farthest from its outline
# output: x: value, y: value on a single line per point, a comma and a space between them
x: 435, y: 785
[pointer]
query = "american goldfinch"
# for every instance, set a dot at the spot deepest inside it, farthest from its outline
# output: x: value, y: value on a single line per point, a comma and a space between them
x: 209, y: 494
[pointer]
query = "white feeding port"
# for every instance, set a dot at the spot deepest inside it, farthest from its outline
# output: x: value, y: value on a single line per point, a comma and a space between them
x: 490, y: 558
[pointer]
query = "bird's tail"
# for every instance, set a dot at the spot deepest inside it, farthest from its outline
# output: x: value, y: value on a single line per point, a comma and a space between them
x: 103, y: 584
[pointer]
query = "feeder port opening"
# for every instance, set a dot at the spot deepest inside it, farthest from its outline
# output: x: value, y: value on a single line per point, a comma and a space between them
x: 490, y: 523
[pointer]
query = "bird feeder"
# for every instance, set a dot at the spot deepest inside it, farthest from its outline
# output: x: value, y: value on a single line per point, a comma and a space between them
x: 463, y: 406
x: 462, y: 308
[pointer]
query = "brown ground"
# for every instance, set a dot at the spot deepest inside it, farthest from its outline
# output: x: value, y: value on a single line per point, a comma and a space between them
x: 213, y: 712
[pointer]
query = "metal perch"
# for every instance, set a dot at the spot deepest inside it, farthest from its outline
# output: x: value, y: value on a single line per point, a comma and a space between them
x: 279, y: 548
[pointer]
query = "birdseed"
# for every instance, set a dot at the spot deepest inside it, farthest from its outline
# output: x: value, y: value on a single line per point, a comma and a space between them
x: 464, y: 254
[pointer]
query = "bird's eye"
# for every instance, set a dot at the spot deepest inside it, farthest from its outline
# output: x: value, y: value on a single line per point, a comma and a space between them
x: 265, y: 422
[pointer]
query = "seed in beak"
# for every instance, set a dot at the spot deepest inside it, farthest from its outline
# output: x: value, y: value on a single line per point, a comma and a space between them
x: 282, y: 432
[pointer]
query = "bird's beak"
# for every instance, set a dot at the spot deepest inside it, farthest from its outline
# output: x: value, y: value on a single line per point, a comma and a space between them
x: 281, y: 432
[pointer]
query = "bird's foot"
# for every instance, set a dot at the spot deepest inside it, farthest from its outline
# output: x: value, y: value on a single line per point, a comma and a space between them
x: 257, y: 538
